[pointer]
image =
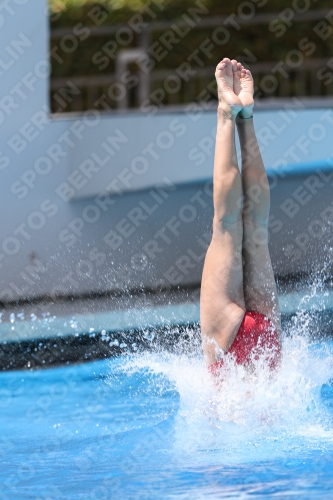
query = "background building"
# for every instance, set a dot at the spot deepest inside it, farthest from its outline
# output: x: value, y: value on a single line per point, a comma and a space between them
x: 106, y: 162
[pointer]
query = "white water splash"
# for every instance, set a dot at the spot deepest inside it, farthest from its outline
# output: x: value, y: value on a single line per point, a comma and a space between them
x: 247, y: 411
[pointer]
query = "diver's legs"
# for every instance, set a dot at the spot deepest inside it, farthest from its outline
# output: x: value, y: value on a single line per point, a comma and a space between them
x: 259, y: 285
x: 222, y: 304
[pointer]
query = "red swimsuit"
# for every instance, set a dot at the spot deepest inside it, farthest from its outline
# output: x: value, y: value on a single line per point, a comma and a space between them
x: 256, y: 335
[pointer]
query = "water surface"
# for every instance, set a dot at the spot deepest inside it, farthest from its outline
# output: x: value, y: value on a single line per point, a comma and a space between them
x: 156, y: 426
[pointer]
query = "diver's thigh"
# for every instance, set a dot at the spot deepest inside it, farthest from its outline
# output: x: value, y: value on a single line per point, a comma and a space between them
x: 222, y: 303
x: 260, y: 293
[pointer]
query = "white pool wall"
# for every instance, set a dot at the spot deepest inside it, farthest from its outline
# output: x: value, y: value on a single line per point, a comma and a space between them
x: 57, y: 238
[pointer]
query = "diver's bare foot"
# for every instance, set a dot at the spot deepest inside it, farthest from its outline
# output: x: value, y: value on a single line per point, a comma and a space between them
x: 243, y: 89
x: 229, y: 103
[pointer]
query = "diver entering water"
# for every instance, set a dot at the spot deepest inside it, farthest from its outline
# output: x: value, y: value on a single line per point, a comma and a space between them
x: 239, y: 307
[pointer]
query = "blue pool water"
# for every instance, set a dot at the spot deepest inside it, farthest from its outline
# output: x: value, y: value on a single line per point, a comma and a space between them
x: 154, y: 426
